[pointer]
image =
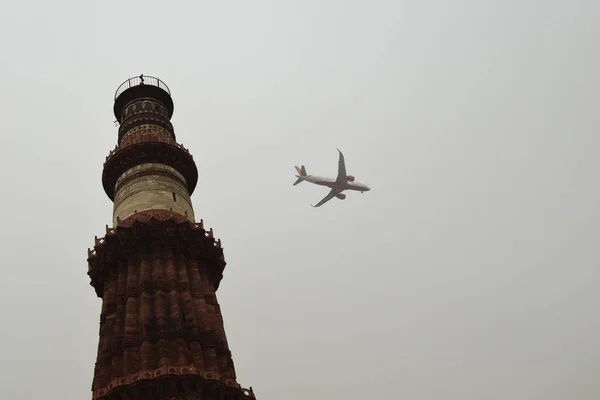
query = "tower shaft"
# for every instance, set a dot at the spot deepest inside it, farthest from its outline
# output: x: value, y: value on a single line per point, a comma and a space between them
x: 157, y: 271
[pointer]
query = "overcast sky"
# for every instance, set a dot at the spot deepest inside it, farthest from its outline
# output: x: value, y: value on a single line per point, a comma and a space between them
x: 467, y: 272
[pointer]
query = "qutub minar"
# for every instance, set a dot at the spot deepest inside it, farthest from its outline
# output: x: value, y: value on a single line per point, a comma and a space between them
x: 157, y: 269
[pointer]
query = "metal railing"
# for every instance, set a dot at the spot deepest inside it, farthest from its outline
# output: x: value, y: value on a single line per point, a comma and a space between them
x: 141, y: 80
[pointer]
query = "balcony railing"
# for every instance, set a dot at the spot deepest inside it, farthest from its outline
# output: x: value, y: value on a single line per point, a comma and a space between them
x: 141, y: 80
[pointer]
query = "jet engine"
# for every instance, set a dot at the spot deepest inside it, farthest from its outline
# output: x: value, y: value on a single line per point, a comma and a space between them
x: 340, y: 196
x: 350, y: 178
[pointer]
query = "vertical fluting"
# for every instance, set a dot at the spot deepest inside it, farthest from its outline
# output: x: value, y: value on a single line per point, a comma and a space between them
x: 148, y: 300
x: 121, y: 316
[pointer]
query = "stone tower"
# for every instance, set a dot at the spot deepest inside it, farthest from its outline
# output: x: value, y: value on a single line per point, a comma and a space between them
x: 157, y: 269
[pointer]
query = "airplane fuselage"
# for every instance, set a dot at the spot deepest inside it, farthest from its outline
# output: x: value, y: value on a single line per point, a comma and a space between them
x: 333, y: 184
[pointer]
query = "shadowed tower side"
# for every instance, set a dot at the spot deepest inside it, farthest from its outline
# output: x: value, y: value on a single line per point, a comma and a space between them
x: 157, y: 270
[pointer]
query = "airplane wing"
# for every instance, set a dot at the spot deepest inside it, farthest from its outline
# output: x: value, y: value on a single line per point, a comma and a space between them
x: 329, y: 196
x: 342, y: 177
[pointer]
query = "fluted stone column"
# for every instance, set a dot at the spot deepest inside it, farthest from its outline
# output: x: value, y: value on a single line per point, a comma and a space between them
x: 157, y: 270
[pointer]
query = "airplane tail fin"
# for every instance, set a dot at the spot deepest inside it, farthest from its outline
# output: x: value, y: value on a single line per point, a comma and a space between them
x: 302, y: 173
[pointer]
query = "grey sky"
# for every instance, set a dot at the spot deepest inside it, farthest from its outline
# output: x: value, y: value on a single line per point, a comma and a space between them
x: 468, y: 272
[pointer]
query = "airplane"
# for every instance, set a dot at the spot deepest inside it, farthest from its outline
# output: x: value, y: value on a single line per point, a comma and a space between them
x: 338, y: 185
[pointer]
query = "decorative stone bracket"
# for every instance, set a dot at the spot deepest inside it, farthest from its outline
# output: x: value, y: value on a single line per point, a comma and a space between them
x: 176, y: 383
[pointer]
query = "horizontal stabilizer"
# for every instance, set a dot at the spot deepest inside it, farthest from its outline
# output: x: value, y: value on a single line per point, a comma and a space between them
x: 302, y: 173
